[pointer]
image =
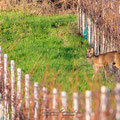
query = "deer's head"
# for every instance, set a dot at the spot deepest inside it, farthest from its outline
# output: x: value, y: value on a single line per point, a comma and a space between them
x: 90, y: 53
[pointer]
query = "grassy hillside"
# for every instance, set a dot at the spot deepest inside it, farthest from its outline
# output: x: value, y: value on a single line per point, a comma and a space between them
x: 51, y: 44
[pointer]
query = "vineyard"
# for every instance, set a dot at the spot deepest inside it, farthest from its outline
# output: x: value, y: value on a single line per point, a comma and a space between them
x: 103, y: 24
x: 44, y: 72
x: 21, y: 100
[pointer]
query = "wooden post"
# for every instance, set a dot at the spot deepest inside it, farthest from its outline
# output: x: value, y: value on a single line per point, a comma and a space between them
x: 98, y: 41
x: 112, y: 44
x: 1, y: 107
x: 80, y: 21
x: 78, y: 11
x: 89, y: 30
x: 75, y: 106
x: 104, y: 102
x: 27, y: 99
x: 1, y: 68
x: 36, y: 104
x: 117, y: 96
x: 8, y: 117
x: 64, y: 103
x: 55, y: 105
x: 18, y: 91
x: 5, y: 87
x: 45, y: 103
x: 95, y: 40
x: 83, y: 23
x: 88, y: 103
x: 0, y: 56
x: 103, y: 43
x: 12, y: 90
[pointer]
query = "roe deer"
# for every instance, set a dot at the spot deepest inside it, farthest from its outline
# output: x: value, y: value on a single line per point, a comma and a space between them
x: 101, y: 61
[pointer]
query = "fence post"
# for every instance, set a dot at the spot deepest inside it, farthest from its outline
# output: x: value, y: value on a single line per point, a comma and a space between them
x: 12, y: 90
x: 45, y: 103
x: 83, y: 22
x: 18, y: 91
x: 55, y: 92
x: 78, y: 11
x: 64, y: 103
x: 0, y: 55
x: 27, y: 99
x: 75, y: 105
x: 95, y: 40
x: 55, y: 105
x: 5, y: 87
x: 1, y: 107
x: 88, y: 103
x: 36, y: 104
x: 117, y: 96
x: 104, y: 102
x: 103, y: 43
x: 1, y: 81
x: 89, y: 30
x: 98, y: 41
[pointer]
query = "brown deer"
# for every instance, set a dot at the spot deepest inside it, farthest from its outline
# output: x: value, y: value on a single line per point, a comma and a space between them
x: 103, y: 60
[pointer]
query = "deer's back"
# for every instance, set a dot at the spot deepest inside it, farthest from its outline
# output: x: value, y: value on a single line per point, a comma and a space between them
x: 104, y: 59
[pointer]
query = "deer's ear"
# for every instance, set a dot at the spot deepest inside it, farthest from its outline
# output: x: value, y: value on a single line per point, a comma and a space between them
x: 92, y: 50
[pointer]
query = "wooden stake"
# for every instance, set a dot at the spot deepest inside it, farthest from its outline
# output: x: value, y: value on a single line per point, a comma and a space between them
x: 78, y: 10
x: 12, y: 90
x: 117, y: 96
x: 5, y: 87
x: 95, y: 40
x: 88, y: 103
x: 36, y: 101
x: 18, y: 91
x: 27, y: 99
x: 1, y: 68
x: 64, y: 104
x: 75, y: 106
x: 104, y: 102
x: 1, y: 107
x: 45, y: 103
x: 83, y: 22
x: 55, y: 104
x: 103, y: 47
x: 89, y: 30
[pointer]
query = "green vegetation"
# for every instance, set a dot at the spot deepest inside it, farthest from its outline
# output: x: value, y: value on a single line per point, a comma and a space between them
x: 62, y: 59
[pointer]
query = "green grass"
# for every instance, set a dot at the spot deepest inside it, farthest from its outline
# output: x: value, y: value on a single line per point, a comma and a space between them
x: 63, y: 62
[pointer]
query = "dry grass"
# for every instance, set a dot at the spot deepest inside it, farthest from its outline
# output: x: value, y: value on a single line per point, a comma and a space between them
x: 43, y: 7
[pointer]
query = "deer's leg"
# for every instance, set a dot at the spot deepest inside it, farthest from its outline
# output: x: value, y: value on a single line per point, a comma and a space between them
x: 117, y: 65
x: 96, y: 70
x: 105, y: 70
